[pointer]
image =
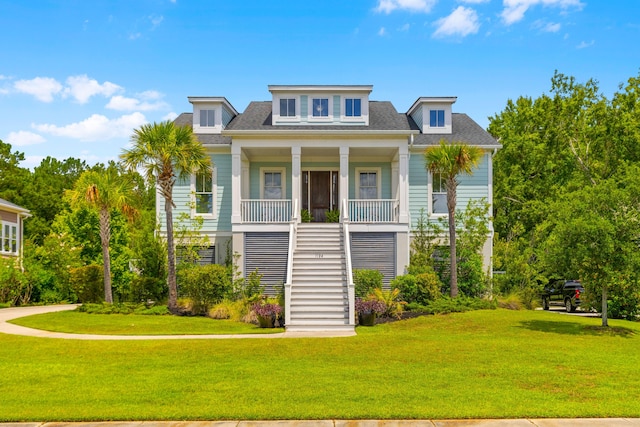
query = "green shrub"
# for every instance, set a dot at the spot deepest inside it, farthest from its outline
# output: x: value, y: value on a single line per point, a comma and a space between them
x: 205, y: 285
x: 365, y: 281
x: 459, y: 304
x: 305, y: 216
x: 332, y: 216
x: 14, y: 285
x: 148, y: 288
x: 122, y: 308
x: 87, y: 283
x: 420, y: 288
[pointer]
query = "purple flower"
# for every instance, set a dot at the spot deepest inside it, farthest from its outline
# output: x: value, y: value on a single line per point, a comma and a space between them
x: 267, y: 310
x: 370, y: 306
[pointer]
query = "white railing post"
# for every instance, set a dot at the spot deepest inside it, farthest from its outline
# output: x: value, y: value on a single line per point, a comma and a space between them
x: 373, y: 210
x: 351, y: 294
x: 293, y: 226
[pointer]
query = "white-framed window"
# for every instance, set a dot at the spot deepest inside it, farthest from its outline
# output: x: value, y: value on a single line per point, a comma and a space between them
x: 438, y: 194
x: 368, y: 183
x: 9, y: 238
x: 204, y: 193
x: 436, y: 118
x: 353, y: 107
x: 320, y: 107
x: 273, y: 183
x: 287, y: 107
x: 207, y: 118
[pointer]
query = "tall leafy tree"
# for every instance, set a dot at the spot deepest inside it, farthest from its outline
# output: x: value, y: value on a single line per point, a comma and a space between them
x: 449, y: 160
x: 103, y: 191
x: 12, y: 176
x: 167, y: 152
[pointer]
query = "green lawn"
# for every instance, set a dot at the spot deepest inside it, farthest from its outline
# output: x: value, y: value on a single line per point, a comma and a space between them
x: 128, y: 324
x: 472, y: 365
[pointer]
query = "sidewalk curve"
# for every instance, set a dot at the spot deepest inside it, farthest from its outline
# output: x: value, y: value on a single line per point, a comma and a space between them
x: 7, y: 314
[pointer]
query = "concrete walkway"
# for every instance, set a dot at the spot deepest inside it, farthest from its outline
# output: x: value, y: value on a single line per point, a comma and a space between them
x: 7, y: 314
x: 550, y: 422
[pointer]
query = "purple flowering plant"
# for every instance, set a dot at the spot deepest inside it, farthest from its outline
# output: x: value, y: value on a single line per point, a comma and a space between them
x: 370, y: 306
x: 267, y: 310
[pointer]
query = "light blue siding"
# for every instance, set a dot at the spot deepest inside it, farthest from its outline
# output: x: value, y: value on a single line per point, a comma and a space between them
x: 182, y: 198
x: 336, y: 108
x: 304, y: 107
x: 385, y: 179
x: 417, y: 117
x: 227, y: 115
x: 475, y: 186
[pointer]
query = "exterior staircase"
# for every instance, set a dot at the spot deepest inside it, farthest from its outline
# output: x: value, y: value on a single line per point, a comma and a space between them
x: 319, y: 297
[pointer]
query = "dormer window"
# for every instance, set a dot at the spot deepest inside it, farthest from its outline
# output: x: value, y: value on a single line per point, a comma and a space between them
x: 207, y: 118
x: 436, y: 118
x: 287, y: 107
x: 320, y: 107
x: 353, y: 107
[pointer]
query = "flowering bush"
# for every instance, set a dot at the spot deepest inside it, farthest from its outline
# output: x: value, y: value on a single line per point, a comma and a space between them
x: 267, y: 310
x: 370, y: 306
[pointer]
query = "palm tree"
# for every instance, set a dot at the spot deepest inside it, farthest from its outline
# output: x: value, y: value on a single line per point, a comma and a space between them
x: 166, y: 151
x: 450, y: 160
x: 103, y: 191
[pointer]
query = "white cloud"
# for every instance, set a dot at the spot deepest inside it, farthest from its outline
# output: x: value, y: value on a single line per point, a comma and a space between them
x: 156, y: 20
x: 96, y: 128
x: 31, y: 162
x: 405, y: 27
x: 462, y: 22
x: 382, y: 31
x: 170, y: 116
x: 551, y: 27
x: 23, y: 137
x: 388, y: 6
x: 3, y: 77
x: 474, y: 1
x: 122, y: 103
x: 43, y: 88
x: 514, y: 10
x: 82, y: 88
x: 584, y: 44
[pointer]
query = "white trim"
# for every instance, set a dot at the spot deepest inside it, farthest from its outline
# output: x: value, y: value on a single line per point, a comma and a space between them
x: 364, y: 109
x: 377, y: 171
x: 13, y: 226
x: 214, y: 195
x: 328, y: 117
x: 430, y: 192
x: 283, y: 173
x: 275, y: 107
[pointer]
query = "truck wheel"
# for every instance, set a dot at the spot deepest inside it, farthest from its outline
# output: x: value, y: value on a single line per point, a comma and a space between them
x: 570, y: 307
x: 545, y: 303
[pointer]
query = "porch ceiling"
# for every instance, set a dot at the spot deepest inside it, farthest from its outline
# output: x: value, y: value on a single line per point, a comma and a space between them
x: 261, y: 153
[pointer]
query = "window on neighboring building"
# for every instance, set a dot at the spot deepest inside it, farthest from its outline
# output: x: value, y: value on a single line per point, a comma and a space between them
x: 320, y: 107
x: 368, y: 185
x: 207, y: 118
x: 352, y: 107
x: 438, y: 194
x: 273, y: 188
x: 436, y: 118
x: 287, y: 107
x: 9, y: 238
x: 204, y: 194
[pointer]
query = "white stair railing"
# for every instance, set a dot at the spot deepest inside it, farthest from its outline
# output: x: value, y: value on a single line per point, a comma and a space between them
x: 347, y: 252
x: 293, y: 227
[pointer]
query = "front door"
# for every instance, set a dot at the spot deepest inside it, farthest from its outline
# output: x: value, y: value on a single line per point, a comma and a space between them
x: 320, y: 194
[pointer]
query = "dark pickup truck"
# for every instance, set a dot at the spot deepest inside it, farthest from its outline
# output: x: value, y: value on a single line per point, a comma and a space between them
x: 567, y: 293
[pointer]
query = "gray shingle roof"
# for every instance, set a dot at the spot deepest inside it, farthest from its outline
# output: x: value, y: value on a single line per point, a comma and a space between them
x: 382, y: 116
x: 464, y: 130
x: 186, y: 119
x: 12, y: 206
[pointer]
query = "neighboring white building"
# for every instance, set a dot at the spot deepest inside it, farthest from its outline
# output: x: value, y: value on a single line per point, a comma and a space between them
x: 322, y: 149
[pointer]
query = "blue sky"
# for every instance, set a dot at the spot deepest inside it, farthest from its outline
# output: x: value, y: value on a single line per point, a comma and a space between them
x: 77, y: 76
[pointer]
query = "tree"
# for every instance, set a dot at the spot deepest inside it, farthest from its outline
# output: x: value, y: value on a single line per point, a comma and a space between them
x: 165, y: 152
x: 450, y: 160
x: 12, y: 176
x: 103, y: 191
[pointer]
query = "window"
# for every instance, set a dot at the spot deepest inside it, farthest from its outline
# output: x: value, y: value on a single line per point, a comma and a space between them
x: 352, y: 107
x: 320, y: 107
x: 368, y: 185
x: 9, y: 238
x: 273, y: 188
x: 287, y: 107
x: 439, y: 194
x: 436, y: 118
x: 203, y: 188
x: 207, y: 118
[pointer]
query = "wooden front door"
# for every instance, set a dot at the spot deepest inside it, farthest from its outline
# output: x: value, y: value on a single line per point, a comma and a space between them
x: 320, y: 194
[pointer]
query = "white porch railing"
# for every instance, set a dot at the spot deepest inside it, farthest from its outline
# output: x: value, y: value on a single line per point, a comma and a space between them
x: 265, y: 211
x: 373, y: 210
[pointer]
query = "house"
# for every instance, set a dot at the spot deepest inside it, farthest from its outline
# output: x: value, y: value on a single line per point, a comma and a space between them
x: 12, y: 218
x: 326, y: 152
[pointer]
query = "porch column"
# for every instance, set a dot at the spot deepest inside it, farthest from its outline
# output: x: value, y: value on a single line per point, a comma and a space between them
x: 295, y: 180
x: 343, y: 185
x: 403, y: 184
x: 236, y: 184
